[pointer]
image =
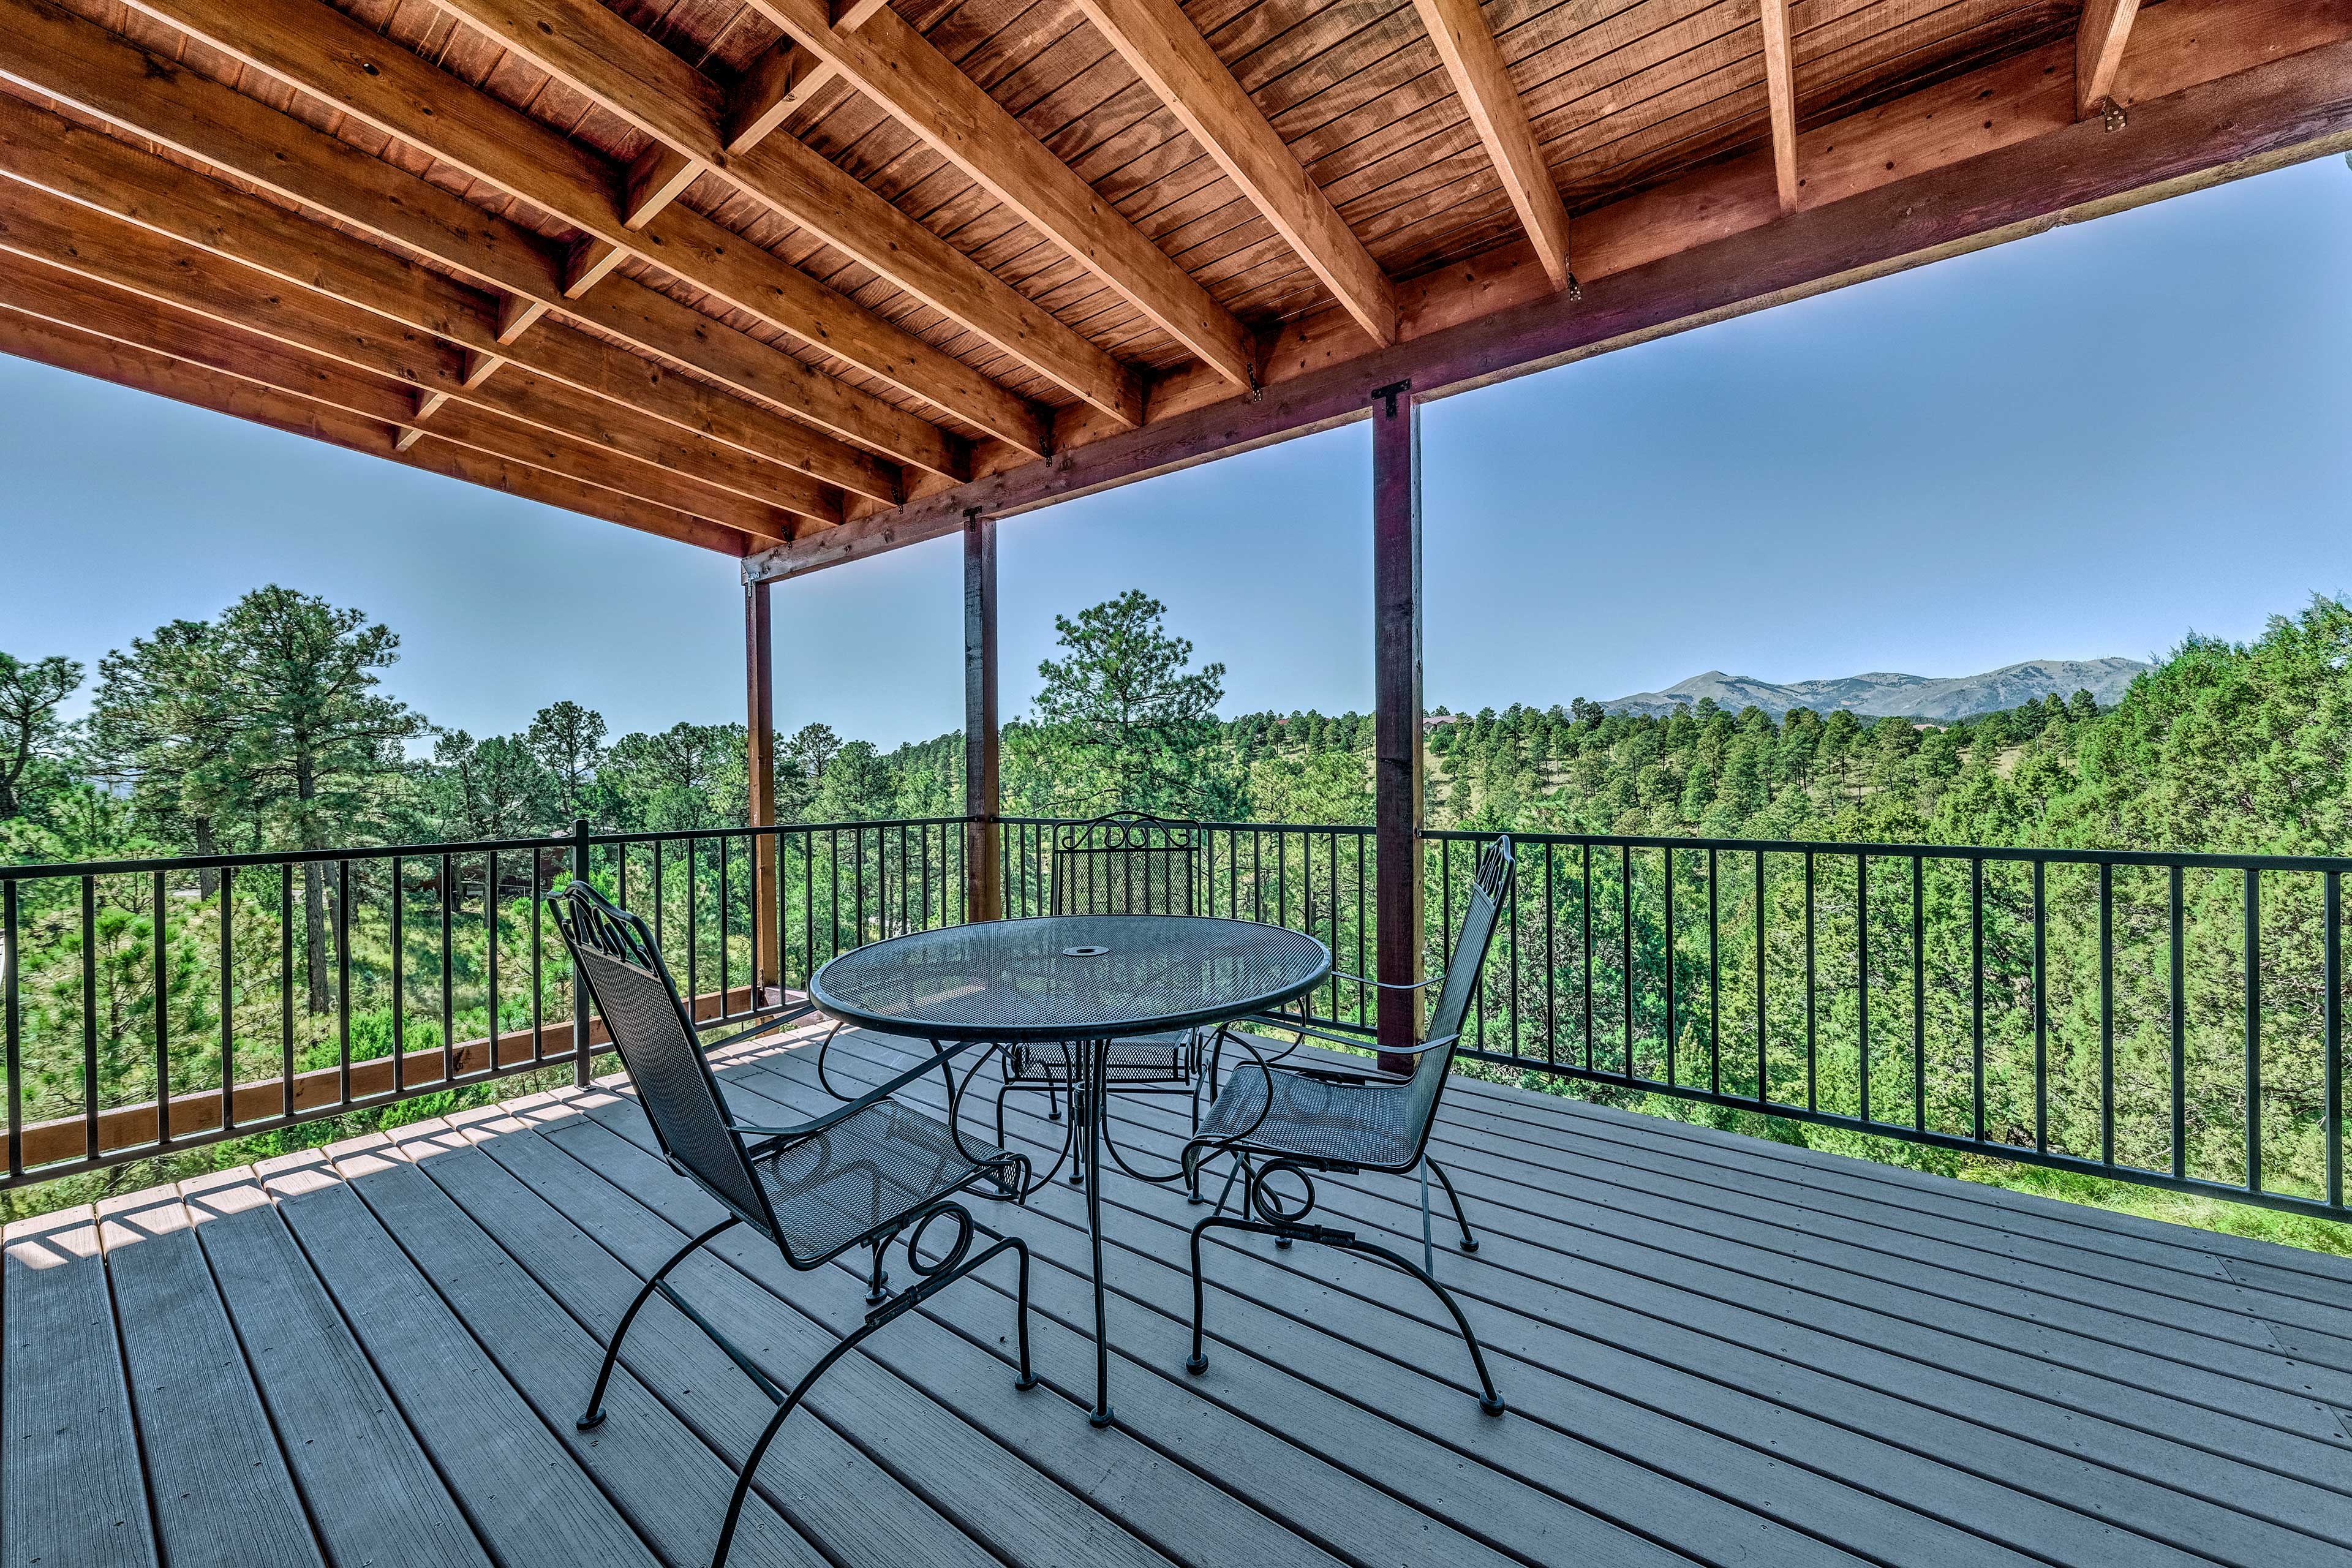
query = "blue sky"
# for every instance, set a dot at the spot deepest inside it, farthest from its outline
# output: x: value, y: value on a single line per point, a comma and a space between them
x: 2083, y: 444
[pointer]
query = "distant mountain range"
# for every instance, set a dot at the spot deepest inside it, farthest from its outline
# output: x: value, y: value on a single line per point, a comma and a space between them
x: 1909, y: 696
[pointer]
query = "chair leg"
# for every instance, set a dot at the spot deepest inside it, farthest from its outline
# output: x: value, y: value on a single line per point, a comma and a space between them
x: 1489, y: 1401
x: 1027, y: 1380
x: 878, y: 1282
x: 1469, y: 1242
x: 595, y: 1414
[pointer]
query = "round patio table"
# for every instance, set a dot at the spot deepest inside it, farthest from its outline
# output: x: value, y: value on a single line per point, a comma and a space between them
x: 1076, y: 979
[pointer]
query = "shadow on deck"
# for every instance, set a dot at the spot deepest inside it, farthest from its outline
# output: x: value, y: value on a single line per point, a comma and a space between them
x: 1716, y: 1350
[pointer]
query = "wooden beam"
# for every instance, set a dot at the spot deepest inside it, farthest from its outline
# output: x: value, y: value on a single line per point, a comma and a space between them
x: 658, y: 177
x: 896, y: 67
x: 109, y: 174
x: 345, y: 63
x: 1781, y: 90
x: 760, y: 772
x: 1686, y: 256
x: 66, y: 348
x: 1397, y: 762
x: 983, y: 803
x: 1160, y: 44
x: 1484, y: 84
x: 2099, y: 42
x: 327, y: 54
x: 777, y: 83
x: 83, y: 244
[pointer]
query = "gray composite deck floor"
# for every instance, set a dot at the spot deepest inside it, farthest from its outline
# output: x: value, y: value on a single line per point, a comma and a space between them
x: 1716, y: 1350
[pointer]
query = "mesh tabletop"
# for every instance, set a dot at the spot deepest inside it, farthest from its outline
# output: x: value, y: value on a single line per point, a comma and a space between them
x: 1022, y: 980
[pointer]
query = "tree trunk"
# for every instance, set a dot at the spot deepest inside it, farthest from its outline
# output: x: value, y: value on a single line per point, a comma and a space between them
x: 208, y: 880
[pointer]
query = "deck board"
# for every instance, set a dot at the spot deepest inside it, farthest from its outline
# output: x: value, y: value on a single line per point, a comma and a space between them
x: 1717, y: 1350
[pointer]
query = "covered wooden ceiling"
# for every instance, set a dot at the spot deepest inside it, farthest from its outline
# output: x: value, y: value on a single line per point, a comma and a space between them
x: 795, y: 281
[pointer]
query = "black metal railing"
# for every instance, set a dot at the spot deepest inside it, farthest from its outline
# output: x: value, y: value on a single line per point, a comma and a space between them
x: 151, y: 1007
x: 2168, y: 1020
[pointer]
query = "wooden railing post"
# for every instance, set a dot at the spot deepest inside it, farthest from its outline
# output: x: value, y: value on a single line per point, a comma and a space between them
x: 759, y: 762
x: 984, y: 866
x: 1396, y: 701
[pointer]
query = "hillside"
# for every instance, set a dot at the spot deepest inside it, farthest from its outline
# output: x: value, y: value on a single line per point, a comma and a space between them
x: 1908, y: 696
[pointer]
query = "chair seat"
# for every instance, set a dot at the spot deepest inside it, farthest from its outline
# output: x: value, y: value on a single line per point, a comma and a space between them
x: 1164, y: 1058
x: 887, y: 1162
x: 1374, y: 1125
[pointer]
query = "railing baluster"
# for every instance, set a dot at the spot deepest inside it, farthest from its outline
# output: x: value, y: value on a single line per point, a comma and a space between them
x: 162, y: 1015
x: 1625, y: 935
x: 1918, y: 995
x: 286, y: 986
x: 227, y: 1003
x: 344, y: 977
x: 2180, y: 1036
x: 1975, y: 993
x: 491, y: 935
x: 89, y: 1090
x: 539, y: 942
x: 2106, y: 1015
x: 11, y: 1019
x: 1551, y: 954
x: 1861, y: 973
x: 1668, y: 922
x: 1812, y: 995
x: 2040, y: 1013
x: 1713, y: 972
x: 2253, y: 1030
x: 399, y: 993
x: 1763, y: 1058
x: 2332, y: 987
x: 1584, y: 908
x: 448, y: 978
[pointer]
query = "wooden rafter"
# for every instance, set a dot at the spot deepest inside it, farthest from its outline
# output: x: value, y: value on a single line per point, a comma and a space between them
x: 1162, y: 47
x: 313, y: 46
x: 146, y: 370
x: 594, y: 52
x: 2099, y: 42
x: 896, y: 68
x: 1780, y: 93
x: 150, y: 275
x: 108, y: 174
x: 1475, y: 64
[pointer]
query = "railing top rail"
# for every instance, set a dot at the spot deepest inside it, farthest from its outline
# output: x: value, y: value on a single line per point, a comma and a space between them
x: 41, y: 870
x: 2185, y: 859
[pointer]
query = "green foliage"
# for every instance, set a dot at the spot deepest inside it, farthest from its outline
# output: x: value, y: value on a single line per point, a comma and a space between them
x: 1132, y: 716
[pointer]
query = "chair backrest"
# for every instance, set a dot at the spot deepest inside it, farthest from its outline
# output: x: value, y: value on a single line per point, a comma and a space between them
x: 1124, y: 864
x: 623, y: 970
x: 1490, y: 891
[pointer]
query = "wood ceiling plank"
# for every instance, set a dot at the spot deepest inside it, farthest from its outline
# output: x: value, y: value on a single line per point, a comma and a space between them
x: 1158, y: 44
x: 144, y: 370
x: 890, y: 63
x: 1476, y: 65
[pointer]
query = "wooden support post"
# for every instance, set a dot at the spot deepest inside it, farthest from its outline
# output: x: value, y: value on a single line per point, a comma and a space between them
x: 760, y: 758
x: 1396, y: 706
x: 983, y: 869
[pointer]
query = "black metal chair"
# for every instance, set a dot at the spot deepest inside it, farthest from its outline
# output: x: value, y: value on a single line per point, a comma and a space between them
x: 864, y: 1173
x: 1289, y: 1121
x: 1126, y: 863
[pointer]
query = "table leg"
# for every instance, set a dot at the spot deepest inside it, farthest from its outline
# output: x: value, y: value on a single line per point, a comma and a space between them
x: 1096, y: 1052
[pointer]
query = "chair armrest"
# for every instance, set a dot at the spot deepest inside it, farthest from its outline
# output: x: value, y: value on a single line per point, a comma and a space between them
x: 843, y: 1112
x: 1296, y: 1026
x: 1389, y: 984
